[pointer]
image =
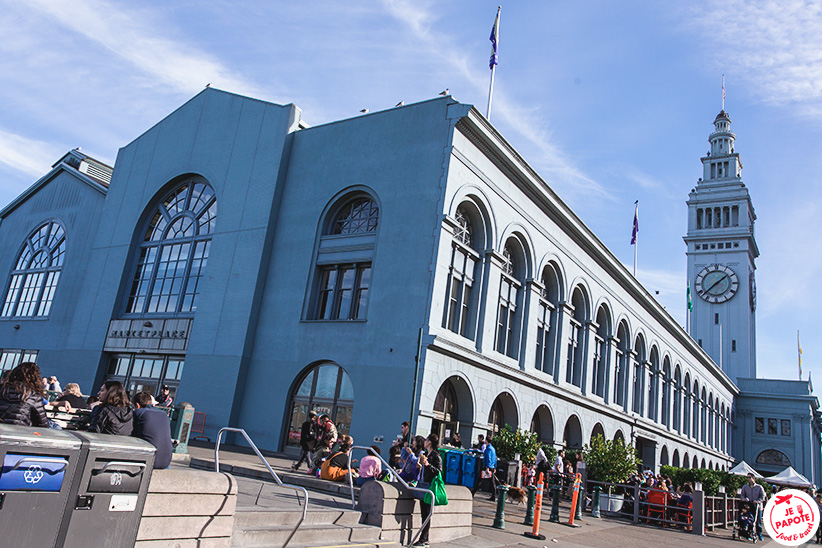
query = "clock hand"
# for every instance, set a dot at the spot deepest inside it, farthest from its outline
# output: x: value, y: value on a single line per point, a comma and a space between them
x: 716, y: 283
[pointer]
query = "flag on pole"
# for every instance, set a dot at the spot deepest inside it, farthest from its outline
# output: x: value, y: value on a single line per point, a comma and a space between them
x: 799, y: 354
x: 688, y: 295
x: 636, y: 223
x: 494, y: 41
x: 723, y: 92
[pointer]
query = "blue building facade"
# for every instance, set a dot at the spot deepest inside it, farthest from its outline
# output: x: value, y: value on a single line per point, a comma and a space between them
x: 403, y: 265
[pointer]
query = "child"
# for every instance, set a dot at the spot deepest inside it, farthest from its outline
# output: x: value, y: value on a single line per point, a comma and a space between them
x: 746, y: 521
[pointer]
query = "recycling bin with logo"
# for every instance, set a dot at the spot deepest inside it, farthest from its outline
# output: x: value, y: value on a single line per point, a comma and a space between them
x: 470, y: 469
x: 35, y: 483
x: 453, y: 467
x: 181, y: 420
x: 112, y: 483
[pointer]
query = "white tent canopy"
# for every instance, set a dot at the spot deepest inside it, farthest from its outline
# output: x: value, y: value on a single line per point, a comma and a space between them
x: 743, y: 469
x: 789, y: 476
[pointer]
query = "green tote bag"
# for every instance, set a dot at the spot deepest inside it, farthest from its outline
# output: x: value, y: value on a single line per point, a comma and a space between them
x: 438, y: 488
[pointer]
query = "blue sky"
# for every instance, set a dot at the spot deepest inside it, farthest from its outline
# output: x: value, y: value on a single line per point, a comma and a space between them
x: 610, y: 101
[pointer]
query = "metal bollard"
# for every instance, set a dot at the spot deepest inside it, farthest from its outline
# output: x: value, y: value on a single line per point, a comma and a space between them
x: 554, y: 504
x: 499, y: 518
x: 595, y: 502
x: 529, y: 510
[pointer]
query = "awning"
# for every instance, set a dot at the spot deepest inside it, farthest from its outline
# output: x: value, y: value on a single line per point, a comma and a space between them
x: 743, y: 469
x: 789, y: 476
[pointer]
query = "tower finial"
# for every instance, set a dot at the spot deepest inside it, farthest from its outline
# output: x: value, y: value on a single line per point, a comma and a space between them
x: 723, y: 92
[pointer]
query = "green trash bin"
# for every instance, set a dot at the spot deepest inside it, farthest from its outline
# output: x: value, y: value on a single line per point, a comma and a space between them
x: 181, y: 420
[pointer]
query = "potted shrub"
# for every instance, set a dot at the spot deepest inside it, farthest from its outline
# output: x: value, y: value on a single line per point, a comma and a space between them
x: 610, y: 461
x: 513, y: 447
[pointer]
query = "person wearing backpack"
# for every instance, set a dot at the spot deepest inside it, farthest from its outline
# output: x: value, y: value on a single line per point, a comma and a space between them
x: 335, y: 468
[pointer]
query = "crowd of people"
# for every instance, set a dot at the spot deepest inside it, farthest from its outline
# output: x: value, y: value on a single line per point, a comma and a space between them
x: 24, y: 401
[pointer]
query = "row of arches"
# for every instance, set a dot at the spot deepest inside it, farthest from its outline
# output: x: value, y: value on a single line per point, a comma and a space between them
x: 558, y: 327
x: 454, y: 411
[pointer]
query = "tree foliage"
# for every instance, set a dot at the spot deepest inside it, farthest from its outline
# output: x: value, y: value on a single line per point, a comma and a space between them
x: 710, y: 479
x: 509, y: 442
x: 610, y: 461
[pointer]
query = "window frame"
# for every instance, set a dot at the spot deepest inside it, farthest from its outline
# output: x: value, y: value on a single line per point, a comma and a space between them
x: 53, y: 241
x: 167, y: 212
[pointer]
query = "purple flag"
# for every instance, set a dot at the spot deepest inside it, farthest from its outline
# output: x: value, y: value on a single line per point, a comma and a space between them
x: 636, y: 223
x: 494, y: 41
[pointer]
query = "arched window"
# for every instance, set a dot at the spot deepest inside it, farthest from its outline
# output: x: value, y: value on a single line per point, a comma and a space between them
x: 623, y: 366
x: 509, y: 296
x: 326, y: 389
x: 547, y: 320
x: 36, y: 272
x: 639, y: 374
x: 678, y: 399
x: 575, y: 368
x: 343, y: 281
x: 686, y: 406
x: 174, y: 251
x: 653, y: 385
x: 464, y: 260
x: 601, y: 352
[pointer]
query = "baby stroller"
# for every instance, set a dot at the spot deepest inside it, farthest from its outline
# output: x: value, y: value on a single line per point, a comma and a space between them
x: 746, y: 525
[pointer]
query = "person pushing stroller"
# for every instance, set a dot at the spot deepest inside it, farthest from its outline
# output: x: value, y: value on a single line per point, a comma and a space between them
x: 754, y: 495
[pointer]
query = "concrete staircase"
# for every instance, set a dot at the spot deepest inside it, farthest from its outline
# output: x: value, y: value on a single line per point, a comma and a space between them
x: 254, y: 527
x: 266, y: 515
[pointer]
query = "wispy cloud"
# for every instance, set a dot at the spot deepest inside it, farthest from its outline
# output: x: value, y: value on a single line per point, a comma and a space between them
x: 551, y: 161
x: 136, y: 37
x: 670, y: 285
x: 26, y: 155
x: 773, y: 46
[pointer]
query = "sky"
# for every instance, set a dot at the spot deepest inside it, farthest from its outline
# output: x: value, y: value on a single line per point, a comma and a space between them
x: 610, y: 102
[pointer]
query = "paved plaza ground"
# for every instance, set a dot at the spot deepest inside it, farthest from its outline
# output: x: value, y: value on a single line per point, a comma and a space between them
x: 595, y: 533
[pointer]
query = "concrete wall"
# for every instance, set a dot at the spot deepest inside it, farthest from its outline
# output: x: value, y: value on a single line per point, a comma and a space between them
x: 187, y: 508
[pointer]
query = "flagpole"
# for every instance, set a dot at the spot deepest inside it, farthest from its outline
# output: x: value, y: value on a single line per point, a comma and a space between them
x: 490, y: 94
x: 493, y: 61
x: 723, y: 92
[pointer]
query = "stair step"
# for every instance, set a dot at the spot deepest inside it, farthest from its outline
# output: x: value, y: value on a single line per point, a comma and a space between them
x: 308, y: 534
x: 261, y: 517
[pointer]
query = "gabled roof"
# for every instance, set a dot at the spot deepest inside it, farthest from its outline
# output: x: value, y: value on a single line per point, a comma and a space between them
x: 86, y: 169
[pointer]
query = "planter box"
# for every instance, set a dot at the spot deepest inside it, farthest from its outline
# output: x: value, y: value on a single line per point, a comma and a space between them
x: 611, y: 505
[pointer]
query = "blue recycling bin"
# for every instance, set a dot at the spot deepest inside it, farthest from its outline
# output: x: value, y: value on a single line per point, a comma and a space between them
x: 471, y: 463
x: 453, y: 467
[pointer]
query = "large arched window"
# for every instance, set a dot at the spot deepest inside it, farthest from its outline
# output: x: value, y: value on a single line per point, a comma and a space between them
x: 36, y: 272
x: 575, y: 366
x: 174, y: 251
x: 461, y: 274
x: 510, y: 294
x: 623, y: 366
x: 345, y: 277
x: 600, y: 374
x: 547, y: 320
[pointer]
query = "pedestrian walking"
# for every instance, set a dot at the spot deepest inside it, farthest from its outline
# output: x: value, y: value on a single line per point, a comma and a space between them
x: 308, y: 440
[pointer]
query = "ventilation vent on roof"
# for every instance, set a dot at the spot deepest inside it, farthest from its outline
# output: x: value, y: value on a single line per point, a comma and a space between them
x: 96, y: 171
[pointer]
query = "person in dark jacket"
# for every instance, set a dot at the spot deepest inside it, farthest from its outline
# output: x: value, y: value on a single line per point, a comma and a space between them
x: 430, y: 464
x: 22, y: 397
x: 113, y: 415
x: 152, y: 425
x: 308, y: 440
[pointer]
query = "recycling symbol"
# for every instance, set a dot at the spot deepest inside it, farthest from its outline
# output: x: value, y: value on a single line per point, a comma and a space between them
x: 34, y: 474
x: 116, y: 479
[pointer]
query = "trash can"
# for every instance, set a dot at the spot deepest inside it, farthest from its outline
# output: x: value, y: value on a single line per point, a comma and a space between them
x: 112, y: 482
x: 453, y: 467
x: 470, y: 469
x: 181, y: 420
x: 35, y: 483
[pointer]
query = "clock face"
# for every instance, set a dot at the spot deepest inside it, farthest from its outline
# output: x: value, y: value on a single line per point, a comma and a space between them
x: 717, y: 283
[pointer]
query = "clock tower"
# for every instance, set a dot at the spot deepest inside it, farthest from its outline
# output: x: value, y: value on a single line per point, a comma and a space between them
x: 721, y: 254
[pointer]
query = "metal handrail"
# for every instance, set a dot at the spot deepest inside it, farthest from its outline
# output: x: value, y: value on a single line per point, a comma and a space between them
x: 396, y: 477
x: 270, y: 471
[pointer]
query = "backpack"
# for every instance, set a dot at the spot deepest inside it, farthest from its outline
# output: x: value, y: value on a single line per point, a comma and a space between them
x: 332, y: 473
